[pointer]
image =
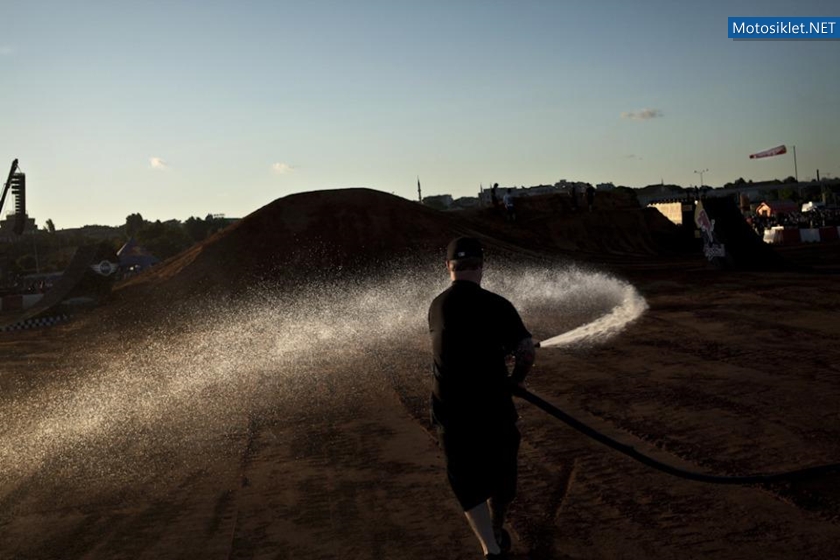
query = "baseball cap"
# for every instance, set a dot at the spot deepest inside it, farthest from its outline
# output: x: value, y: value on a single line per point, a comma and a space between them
x: 464, y: 248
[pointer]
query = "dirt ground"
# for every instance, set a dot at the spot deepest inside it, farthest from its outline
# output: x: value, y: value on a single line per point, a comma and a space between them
x: 726, y: 373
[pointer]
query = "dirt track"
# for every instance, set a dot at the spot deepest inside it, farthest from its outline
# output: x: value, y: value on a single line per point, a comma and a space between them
x: 728, y: 373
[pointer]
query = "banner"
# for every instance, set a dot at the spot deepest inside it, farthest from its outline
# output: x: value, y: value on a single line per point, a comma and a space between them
x: 777, y: 151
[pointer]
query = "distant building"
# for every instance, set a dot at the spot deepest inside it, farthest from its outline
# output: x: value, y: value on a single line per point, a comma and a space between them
x: 7, y: 235
x: 465, y: 202
x: 566, y: 186
x: 485, y: 197
x: 541, y: 189
x: 661, y: 193
x: 755, y: 192
x: 440, y: 201
x: 679, y: 212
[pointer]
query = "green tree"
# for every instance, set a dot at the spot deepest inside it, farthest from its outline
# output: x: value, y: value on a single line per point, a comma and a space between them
x: 164, y: 240
x: 26, y: 264
x: 199, y: 229
x: 133, y: 224
x: 50, y: 226
x: 215, y: 223
x: 196, y: 228
x: 788, y: 194
x: 628, y: 193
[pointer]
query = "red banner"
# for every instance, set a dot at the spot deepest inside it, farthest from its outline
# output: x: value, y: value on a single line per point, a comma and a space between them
x: 777, y: 151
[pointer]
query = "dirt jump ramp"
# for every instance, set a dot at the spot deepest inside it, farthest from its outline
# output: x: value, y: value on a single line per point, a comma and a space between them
x: 78, y: 279
x: 728, y: 240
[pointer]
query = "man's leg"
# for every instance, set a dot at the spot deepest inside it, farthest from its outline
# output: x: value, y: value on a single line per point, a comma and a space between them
x: 482, y: 525
x: 465, y: 477
x: 505, y: 490
x: 498, y: 512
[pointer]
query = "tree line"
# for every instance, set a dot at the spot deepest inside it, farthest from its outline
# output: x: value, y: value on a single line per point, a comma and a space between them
x: 51, y: 250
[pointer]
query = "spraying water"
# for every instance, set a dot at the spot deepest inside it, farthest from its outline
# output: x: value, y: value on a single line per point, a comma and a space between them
x: 176, y: 395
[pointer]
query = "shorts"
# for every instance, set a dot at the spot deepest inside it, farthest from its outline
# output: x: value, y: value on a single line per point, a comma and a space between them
x: 481, y: 464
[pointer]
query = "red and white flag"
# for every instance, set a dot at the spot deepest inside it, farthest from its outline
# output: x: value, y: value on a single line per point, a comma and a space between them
x: 777, y: 151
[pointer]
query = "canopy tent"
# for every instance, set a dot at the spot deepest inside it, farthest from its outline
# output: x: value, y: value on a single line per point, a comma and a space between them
x: 811, y: 206
x: 132, y: 255
x: 776, y: 207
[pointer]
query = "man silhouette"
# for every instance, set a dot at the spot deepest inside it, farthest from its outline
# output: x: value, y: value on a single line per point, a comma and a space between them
x: 472, y: 332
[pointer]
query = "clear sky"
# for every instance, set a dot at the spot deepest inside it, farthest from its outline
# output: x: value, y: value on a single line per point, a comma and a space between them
x: 176, y: 109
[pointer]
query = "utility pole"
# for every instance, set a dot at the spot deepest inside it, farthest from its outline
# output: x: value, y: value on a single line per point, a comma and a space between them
x: 701, y: 176
x: 419, y: 194
x: 35, y: 247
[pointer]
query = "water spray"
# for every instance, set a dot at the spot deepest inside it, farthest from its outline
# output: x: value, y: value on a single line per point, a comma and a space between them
x: 629, y: 306
x: 175, y: 392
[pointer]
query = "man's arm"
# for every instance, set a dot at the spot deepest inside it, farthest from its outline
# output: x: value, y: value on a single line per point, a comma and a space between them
x: 524, y: 356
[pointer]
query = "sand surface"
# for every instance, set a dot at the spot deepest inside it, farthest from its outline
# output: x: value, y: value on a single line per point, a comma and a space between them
x: 126, y: 437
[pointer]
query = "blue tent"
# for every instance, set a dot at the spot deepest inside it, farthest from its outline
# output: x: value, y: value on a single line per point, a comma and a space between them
x: 133, y: 256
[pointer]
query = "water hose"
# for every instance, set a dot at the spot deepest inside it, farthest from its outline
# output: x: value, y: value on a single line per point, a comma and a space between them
x: 632, y: 452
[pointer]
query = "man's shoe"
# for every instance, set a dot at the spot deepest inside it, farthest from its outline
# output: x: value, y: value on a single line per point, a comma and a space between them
x: 503, y: 539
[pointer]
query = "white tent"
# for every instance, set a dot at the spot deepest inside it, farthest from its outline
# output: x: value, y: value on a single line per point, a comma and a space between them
x: 811, y: 206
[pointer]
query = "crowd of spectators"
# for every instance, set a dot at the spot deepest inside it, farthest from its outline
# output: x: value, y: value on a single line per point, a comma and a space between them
x: 24, y: 285
x: 816, y: 218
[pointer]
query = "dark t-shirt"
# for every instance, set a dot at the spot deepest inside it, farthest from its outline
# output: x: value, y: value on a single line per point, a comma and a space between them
x: 472, y: 331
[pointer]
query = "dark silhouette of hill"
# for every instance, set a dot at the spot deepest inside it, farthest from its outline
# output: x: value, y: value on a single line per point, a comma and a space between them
x: 349, y: 231
x: 617, y: 228
x: 303, y: 236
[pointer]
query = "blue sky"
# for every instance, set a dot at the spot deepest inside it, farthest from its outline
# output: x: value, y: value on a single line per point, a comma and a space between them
x: 174, y: 109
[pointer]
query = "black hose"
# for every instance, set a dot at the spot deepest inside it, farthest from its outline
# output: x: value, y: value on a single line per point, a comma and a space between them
x: 664, y: 467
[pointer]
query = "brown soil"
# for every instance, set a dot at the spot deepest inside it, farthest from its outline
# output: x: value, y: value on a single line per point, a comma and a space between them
x: 726, y: 373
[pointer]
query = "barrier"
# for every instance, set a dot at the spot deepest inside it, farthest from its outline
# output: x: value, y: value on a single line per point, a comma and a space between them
x: 791, y: 236
x: 35, y: 323
x: 829, y: 233
x: 773, y: 235
x: 809, y: 235
x: 18, y: 302
x: 780, y: 234
x: 11, y: 303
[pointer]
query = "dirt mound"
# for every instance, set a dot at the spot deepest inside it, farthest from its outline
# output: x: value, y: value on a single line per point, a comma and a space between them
x: 300, y: 235
x: 351, y: 230
x: 617, y: 226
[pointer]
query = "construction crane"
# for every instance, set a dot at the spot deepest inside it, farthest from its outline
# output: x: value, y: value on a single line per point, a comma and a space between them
x: 17, y: 183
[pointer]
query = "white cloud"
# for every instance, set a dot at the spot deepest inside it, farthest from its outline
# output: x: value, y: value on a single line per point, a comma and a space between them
x: 281, y: 168
x: 6, y: 50
x: 643, y: 115
x: 158, y: 163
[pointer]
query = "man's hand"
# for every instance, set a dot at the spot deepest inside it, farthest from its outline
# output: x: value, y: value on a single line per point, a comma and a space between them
x: 524, y: 356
